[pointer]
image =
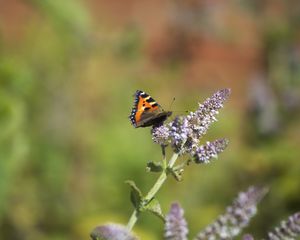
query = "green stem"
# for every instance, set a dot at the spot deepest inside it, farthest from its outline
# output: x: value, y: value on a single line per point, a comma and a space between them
x: 173, y: 160
x: 157, y: 185
x: 164, y: 161
x: 159, y: 182
x: 132, y: 220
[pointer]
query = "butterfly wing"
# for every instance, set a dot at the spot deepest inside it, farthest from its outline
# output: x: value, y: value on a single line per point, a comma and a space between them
x: 146, y: 111
x: 154, y: 119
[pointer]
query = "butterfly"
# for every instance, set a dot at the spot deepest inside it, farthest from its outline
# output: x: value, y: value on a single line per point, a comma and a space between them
x: 146, y: 111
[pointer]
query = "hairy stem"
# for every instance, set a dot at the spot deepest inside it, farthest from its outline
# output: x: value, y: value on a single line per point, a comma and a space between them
x: 157, y: 185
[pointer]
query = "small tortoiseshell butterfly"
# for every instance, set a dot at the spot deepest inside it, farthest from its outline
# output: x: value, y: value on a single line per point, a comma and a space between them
x: 146, y: 111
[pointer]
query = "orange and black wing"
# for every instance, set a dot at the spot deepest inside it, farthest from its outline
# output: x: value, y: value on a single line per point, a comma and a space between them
x: 146, y: 111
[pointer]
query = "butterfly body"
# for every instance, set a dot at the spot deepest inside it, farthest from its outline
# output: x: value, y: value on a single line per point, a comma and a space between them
x: 146, y: 111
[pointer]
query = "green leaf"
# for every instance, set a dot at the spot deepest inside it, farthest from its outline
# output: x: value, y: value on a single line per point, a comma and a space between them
x: 154, y: 167
x: 154, y: 207
x: 136, y: 196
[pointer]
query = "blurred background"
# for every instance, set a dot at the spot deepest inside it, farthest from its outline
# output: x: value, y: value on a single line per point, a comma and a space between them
x: 68, y: 70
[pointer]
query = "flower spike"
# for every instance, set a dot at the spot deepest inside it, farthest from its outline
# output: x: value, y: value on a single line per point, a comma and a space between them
x: 184, y: 132
x: 176, y: 225
x: 237, y: 216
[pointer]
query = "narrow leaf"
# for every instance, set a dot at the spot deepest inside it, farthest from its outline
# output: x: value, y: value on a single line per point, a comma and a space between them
x: 135, y: 194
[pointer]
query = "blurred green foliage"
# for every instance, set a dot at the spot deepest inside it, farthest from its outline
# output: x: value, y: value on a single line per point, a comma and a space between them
x: 66, y: 145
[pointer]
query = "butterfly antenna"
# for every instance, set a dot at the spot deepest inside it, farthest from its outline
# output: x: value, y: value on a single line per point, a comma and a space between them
x: 172, y: 103
x: 185, y: 111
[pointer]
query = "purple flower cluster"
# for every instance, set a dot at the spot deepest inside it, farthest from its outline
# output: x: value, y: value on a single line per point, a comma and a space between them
x: 237, y: 216
x: 161, y: 135
x: 204, y: 153
x: 176, y: 225
x: 180, y: 132
x: 289, y: 229
x: 184, y: 132
x: 248, y: 237
x: 112, y: 231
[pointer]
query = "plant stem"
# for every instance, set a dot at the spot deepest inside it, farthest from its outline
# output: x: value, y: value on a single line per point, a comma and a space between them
x: 162, y: 178
x: 159, y: 182
x: 173, y: 160
x: 164, y: 161
x: 157, y: 185
x: 132, y: 220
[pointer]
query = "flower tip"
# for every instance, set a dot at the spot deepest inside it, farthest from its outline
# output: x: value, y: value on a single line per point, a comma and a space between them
x: 175, y: 206
x: 225, y: 92
x: 225, y: 141
x: 259, y: 192
x: 264, y: 189
x: 222, y: 143
x: 296, y: 218
x: 248, y: 237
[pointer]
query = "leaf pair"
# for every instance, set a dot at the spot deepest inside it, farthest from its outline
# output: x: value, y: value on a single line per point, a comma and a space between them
x: 144, y: 205
x: 157, y: 167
